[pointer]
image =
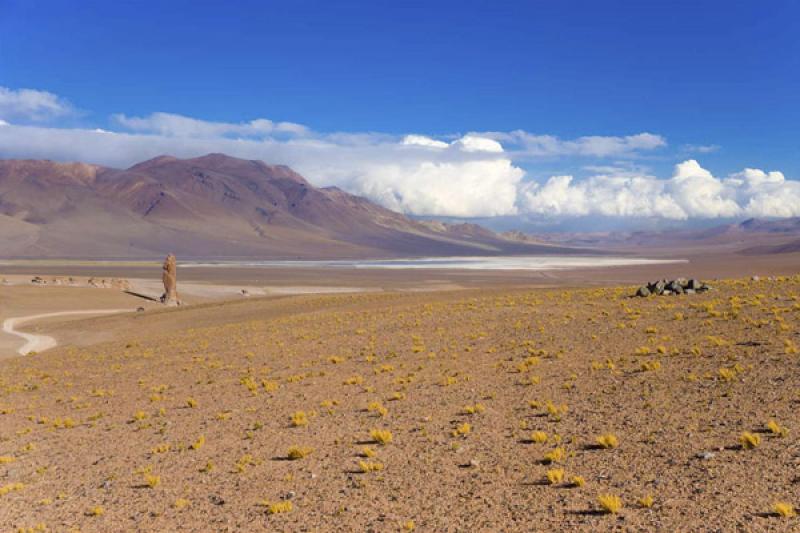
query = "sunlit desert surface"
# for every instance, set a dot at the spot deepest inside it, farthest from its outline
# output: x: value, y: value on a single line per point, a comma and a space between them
x: 479, y: 409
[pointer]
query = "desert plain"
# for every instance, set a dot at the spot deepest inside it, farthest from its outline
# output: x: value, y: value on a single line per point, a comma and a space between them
x: 369, y: 400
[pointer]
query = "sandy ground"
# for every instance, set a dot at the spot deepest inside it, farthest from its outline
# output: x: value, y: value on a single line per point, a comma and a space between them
x: 182, y: 419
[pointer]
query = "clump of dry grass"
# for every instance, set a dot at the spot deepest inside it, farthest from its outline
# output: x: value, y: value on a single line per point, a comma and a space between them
x: 462, y: 430
x: 539, y: 437
x: 784, y: 509
x: 299, y: 419
x: 749, y: 440
x: 555, y: 476
x: 555, y: 455
x: 278, y: 507
x: 381, y: 436
x: 777, y: 429
x: 646, y: 501
x: 370, y: 466
x: 607, y: 441
x: 298, y: 452
x: 610, y: 503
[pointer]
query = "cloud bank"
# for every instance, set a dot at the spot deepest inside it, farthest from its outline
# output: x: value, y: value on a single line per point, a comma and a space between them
x: 691, y: 192
x: 477, y: 174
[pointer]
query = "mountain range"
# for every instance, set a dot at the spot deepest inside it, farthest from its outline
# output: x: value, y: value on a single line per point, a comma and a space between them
x: 214, y: 206
x: 218, y: 207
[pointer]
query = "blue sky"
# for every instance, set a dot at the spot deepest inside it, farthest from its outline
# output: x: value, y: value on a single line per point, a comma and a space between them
x: 717, y: 82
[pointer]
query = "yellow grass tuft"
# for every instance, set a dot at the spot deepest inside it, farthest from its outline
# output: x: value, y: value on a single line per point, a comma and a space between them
x: 555, y: 476
x: 299, y: 419
x: 773, y: 427
x: 152, y: 480
x: 539, y: 437
x: 381, y: 436
x: 11, y: 487
x: 473, y: 409
x: 181, y: 503
x: 610, y: 503
x: 463, y: 430
x: 646, y: 501
x: 577, y: 481
x: 555, y: 455
x: 784, y: 509
x: 161, y: 448
x: 749, y: 440
x: 368, y: 452
x: 609, y: 440
x: 196, y: 445
x: 298, y: 452
x: 367, y: 466
x: 279, y: 507
x: 377, y: 407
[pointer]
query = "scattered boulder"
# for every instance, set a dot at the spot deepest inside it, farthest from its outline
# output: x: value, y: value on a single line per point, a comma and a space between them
x: 38, y: 280
x: 669, y: 287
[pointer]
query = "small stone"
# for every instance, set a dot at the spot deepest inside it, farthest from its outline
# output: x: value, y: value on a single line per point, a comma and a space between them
x: 706, y: 455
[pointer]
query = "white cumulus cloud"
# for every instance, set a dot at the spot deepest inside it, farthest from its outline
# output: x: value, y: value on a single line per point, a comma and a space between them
x: 32, y: 105
x: 692, y: 192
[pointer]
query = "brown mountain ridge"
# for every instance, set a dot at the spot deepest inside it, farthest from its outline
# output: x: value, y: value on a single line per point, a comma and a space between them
x: 214, y: 206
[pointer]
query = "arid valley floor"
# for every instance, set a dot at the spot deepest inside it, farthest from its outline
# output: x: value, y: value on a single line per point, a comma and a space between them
x: 432, y: 401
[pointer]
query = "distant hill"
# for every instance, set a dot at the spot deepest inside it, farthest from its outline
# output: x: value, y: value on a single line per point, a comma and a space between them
x: 752, y: 236
x: 213, y: 206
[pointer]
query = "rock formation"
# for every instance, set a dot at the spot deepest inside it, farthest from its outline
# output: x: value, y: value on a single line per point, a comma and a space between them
x: 170, y: 279
x: 676, y: 286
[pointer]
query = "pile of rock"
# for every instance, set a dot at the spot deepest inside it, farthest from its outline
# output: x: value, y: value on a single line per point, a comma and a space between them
x: 675, y: 286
